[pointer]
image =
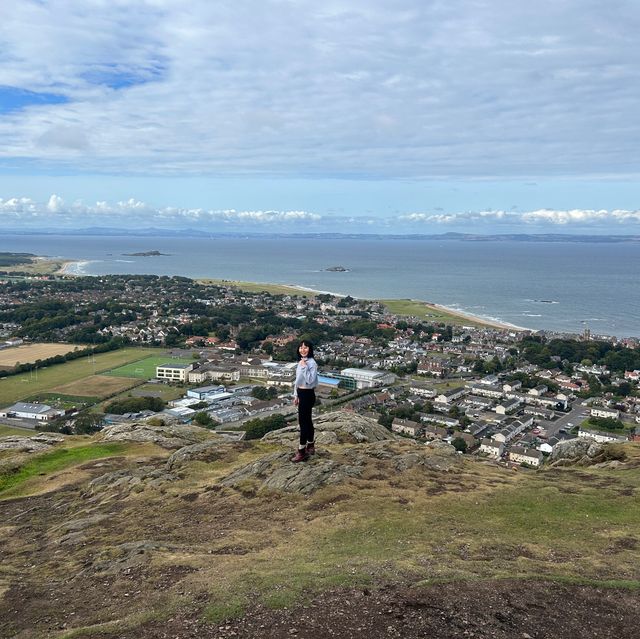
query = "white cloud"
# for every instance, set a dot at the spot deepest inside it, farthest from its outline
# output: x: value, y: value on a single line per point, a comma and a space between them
x: 543, y: 217
x: 133, y: 211
x: 377, y: 88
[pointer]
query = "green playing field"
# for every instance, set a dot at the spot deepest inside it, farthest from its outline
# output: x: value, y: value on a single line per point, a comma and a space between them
x: 146, y: 368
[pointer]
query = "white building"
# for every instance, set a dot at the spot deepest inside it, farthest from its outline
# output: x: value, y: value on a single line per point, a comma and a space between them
x: 174, y: 372
x: 601, y: 436
x: 529, y: 456
x: 492, y: 448
x: 39, y: 412
x: 601, y: 411
x: 366, y: 378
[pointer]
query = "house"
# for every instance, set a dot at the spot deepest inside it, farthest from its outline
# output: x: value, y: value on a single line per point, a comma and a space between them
x: 508, y: 406
x: 512, y: 386
x: 406, y: 427
x: 602, y: 411
x: 492, y: 448
x: 529, y: 456
x: 365, y: 378
x: 538, y: 391
x: 431, y: 432
x: 601, y: 436
x: 451, y: 395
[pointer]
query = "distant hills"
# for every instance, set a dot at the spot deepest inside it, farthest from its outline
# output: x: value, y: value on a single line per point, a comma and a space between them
x: 463, y: 237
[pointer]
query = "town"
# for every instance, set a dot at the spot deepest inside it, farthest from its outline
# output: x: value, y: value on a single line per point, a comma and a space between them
x: 131, y: 348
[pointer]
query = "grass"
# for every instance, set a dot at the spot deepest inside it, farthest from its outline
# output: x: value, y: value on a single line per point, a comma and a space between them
x: 146, y: 368
x: 431, y: 313
x: 56, y: 460
x: 17, y: 387
x: 8, y: 430
x: 257, y: 287
x: 38, y: 266
x: 99, y: 386
x: 26, y: 353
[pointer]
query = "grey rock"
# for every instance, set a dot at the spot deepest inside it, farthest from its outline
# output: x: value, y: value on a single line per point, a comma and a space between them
x: 576, y: 449
x: 168, y: 436
x: 126, y: 480
x: 205, y: 451
x: 277, y: 472
x: 76, y: 525
x: 442, y: 448
x: 127, y: 555
x: 35, y: 444
x: 339, y: 427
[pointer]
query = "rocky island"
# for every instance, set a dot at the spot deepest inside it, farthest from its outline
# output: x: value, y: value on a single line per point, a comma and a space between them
x: 145, y: 254
x: 337, y: 269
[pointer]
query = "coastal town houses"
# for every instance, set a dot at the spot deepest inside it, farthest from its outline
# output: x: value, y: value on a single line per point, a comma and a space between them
x: 601, y: 437
x: 492, y: 448
x: 528, y: 456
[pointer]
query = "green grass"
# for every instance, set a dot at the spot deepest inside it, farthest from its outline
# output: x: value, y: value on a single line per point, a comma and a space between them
x: 257, y: 287
x: 8, y: 430
x: 17, y: 387
x: 146, y: 368
x: 56, y: 460
x: 428, y: 312
x: 62, y: 401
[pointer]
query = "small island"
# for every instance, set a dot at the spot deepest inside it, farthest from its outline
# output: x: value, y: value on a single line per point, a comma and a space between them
x: 337, y: 269
x: 145, y: 254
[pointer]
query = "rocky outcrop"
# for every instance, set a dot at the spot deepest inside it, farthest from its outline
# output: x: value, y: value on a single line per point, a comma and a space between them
x: 168, y: 436
x: 209, y: 451
x: 278, y: 472
x: 340, y: 427
x: 34, y: 444
x: 575, y: 451
x: 124, y: 481
x: 587, y: 452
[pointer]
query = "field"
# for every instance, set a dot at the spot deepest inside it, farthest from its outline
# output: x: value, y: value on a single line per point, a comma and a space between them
x: 17, y: 387
x: 146, y: 368
x: 9, y: 357
x: 256, y: 287
x: 95, y: 386
x: 37, y: 266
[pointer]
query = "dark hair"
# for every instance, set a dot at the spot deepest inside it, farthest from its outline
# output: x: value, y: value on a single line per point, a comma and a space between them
x: 306, y: 342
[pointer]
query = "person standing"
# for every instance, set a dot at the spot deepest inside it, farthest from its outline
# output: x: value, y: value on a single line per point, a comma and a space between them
x: 304, y: 397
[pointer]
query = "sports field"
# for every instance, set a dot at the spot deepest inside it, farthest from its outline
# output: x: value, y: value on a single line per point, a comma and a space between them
x: 146, y: 368
x: 95, y: 386
x: 17, y: 387
x: 27, y: 353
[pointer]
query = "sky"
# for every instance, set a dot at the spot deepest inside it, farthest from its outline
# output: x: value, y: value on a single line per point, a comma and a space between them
x: 376, y: 116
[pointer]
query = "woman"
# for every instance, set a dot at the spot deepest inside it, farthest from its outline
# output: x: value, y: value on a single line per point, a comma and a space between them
x: 304, y: 397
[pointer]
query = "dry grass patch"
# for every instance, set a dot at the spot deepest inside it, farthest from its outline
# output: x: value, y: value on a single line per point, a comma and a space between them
x: 96, y: 386
x: 28, y: 353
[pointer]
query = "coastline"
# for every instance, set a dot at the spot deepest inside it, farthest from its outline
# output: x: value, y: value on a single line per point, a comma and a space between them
x: 438, y: 312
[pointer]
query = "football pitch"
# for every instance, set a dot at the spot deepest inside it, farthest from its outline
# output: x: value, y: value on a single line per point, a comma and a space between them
x: 146, y: 368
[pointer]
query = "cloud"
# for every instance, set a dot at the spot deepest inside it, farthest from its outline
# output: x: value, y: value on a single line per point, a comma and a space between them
x: 547, y: 217
x: 375, y: 89
x: 132, y: 211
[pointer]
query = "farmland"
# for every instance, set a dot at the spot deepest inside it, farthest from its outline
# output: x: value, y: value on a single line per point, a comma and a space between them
x: 17, y: 387
x: 27, y: 353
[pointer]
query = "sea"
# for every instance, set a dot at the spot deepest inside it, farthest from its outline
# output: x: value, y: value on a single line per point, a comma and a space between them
x: 556, y: 286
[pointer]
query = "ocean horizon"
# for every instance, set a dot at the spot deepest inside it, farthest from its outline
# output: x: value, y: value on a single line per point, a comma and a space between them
x: 555, y: 286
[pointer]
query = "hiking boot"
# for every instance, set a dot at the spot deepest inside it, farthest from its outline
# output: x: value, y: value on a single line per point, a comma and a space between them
x: 300, y: 456
x: 311, y: 449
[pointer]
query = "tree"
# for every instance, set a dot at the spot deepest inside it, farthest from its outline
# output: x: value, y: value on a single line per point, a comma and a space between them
x: 459, y: 444
x: 203, y: 419
x: 88, y: 423
x: 257, y: 428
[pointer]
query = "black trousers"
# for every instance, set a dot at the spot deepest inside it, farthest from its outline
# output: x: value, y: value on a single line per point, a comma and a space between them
x: 306, y: 400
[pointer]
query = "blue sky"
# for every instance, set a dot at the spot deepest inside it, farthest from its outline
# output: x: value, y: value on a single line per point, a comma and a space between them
x: 485, y: 116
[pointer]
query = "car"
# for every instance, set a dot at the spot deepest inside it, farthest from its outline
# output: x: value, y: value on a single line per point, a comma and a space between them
x: 569, y: 423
